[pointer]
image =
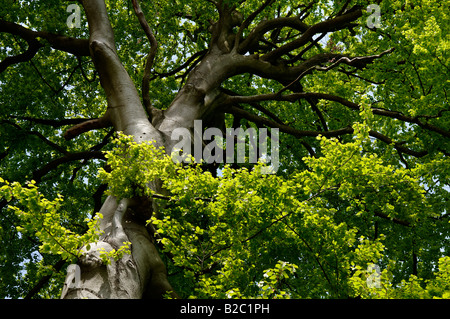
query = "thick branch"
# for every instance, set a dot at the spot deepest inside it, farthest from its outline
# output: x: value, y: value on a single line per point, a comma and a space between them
x: 87, y: 126
x: 257, y: 106
x: 78, y: 47
x: 329, y: 25
x: 286, y: 128
x: 249, y: 20
x: 354, y: 106
x: 335, y: 133
x: 254, y: 65
x: 398, y: 146
x: 126, y: 111
x: 33, y: 48
x: 292, y: 75
x: 359, y: 62
x: 402, y: 117
x: 267, y: 25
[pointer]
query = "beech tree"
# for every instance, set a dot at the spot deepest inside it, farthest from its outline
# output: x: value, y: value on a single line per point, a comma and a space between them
x: 94, y: 206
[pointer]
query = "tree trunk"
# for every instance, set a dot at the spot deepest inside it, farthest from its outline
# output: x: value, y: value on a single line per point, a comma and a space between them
x: 141, y: 274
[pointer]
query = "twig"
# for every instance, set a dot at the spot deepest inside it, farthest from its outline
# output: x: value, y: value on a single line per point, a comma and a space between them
x: 150, y: 58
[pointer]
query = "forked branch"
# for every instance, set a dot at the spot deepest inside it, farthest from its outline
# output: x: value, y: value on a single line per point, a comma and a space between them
x: 78, y: 47
x: 330, y: 25
x: 249, y: 20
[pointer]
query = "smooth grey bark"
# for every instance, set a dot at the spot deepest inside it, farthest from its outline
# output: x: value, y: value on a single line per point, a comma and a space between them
x: 141, y: 274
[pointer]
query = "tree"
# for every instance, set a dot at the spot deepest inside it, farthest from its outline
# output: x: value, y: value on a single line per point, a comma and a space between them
x: 358, y: 206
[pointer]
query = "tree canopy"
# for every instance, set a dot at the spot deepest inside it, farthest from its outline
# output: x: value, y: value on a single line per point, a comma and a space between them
x: 358, y: 207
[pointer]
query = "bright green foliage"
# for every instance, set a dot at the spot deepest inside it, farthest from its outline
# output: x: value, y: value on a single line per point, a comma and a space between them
x: 115, y: 254
x: 319, y: 229
x: 43, y: 218
x: 413, y: 288
x: 132, y: 166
